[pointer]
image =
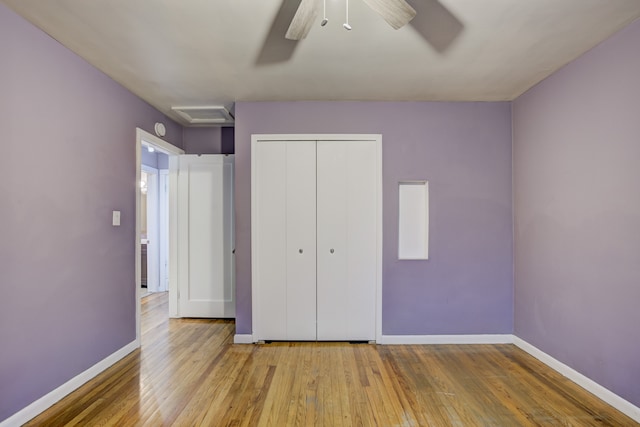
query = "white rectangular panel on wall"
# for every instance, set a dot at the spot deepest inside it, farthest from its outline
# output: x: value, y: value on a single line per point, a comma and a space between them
x: 413, y: 220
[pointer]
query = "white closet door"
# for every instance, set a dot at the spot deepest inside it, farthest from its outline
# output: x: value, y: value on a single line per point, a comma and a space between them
x: 346, y: 230
x: 270, y: 246
x: 286, y: 245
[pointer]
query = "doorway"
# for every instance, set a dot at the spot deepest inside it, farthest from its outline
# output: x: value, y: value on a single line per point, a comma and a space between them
x: 155, y: 175
x: 154, y: 230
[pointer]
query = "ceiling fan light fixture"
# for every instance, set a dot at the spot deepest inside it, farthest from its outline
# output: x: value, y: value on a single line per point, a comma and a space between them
x: 324, y: 14
x: 346, y: 25
x: 303, y: 20
x: 397, y: 13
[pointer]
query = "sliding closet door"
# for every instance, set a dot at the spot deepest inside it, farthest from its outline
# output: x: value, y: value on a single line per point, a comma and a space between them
x: 346, y: 230
x: 285, y: 264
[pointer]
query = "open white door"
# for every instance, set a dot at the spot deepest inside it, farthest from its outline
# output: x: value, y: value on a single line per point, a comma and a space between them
x: 144, y: 139
x: 205, y: 236
x: 163, y: 228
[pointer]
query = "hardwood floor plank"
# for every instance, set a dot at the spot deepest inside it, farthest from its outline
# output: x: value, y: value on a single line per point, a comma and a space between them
x: 189, y: 373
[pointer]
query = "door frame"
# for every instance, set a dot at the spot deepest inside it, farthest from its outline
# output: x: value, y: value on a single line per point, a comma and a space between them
x: 165, y: 147
x: 261, y: 138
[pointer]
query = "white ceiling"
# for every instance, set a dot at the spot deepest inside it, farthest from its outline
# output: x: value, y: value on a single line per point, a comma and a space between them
x: 215, y: 52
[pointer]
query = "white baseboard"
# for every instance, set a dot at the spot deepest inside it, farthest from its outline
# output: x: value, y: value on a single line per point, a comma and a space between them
x: 606, y: 395
x: 588, y: 384
x: 446, y: 339
x: 240, y: 339
x: 48, y: 400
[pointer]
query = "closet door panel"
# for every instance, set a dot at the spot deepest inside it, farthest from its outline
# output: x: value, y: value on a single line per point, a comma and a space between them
x: 332, y: 196
x: 347, y: 204
x: 270, y: 271
x: 301, y: 240
x: 362, y: 247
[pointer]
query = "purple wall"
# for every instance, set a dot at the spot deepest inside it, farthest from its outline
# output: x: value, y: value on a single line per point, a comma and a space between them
x: 228, y: 140
x: 149, y: 159
x: 163, y: 161
x: 202, y: 140
x: 577, y: 214
x: 464, y: 150
x: 155, y: 160
x: 67, y: 134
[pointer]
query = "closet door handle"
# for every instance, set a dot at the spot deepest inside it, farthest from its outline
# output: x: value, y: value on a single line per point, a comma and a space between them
x: 331, y: 250
x: 300, y: 250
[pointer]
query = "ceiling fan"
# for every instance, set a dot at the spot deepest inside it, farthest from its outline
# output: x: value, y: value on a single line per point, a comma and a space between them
x: 397, y: 13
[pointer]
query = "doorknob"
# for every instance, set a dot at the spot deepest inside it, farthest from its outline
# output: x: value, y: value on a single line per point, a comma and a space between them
x: 331, y: 250
x: 300, y: 250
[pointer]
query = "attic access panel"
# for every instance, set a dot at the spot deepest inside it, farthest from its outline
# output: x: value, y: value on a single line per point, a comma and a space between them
x: 205, y: 115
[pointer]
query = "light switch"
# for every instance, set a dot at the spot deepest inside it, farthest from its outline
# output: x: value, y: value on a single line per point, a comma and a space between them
x: 116, y: 218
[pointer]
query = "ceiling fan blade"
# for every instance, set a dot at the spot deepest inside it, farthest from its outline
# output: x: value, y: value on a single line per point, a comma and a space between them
x: 397, y: 13
x: 302, y: 20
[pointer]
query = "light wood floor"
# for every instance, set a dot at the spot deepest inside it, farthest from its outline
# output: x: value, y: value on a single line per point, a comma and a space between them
x: 188, y: 373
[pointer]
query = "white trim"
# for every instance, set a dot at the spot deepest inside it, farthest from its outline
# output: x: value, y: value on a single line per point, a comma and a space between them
x: 160, y: 144
x: 446, y: 339
x: 588, y: 384
x: 243, y: 339
x: 171, y: 150
x: 45, y: 402
x: 255, y: 307
x: 317, y: 137
x: 379, y: 247
x: 173, y: 237
x: 255, y: 139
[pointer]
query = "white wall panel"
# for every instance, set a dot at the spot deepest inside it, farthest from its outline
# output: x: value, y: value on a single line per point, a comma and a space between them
x: 413, y: 220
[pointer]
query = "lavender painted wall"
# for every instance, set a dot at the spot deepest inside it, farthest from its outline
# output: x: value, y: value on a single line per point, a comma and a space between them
x: 155, y: 160
x: 228, y: 140
x: 577, y: 214
x: 202, y: 140
x: 149, y: 159
x: 163, y: 161
x: 464, y: 150
x: 67, y: 275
